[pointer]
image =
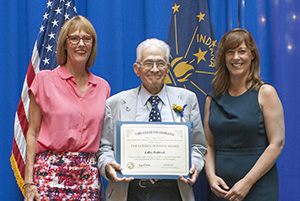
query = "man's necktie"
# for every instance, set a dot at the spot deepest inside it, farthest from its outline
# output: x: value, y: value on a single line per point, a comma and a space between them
x: 154, y: 113
x: 154, y: 116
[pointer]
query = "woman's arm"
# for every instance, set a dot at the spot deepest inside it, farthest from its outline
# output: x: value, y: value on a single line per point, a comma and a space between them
x: 217, y: 184
x: 35, y: 118
x: 274, y: 123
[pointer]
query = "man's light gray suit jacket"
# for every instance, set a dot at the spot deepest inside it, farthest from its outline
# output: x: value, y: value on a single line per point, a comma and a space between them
x: 122, y: 107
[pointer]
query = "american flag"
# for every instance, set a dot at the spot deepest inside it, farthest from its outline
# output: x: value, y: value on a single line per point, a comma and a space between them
x: 43, y: 57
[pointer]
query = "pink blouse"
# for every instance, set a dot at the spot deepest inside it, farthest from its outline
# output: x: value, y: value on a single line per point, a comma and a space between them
x: 70, y: 121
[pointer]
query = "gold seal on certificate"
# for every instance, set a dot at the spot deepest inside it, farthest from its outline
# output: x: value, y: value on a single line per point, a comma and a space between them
x: 147, y: 149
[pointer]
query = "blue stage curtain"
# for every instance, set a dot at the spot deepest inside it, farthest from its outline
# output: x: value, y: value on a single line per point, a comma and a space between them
x: 285, y: 75
x: 122, y: 25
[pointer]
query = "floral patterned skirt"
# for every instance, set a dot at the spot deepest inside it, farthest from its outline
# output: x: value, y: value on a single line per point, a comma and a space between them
x: 67, y: 176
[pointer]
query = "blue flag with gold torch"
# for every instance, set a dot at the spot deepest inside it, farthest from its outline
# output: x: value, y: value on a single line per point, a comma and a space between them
x: 193, y: 44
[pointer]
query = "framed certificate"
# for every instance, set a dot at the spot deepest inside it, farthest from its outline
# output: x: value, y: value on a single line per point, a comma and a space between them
x: 156, y: 150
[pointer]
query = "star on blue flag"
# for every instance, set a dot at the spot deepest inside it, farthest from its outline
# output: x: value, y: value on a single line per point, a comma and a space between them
x: 193, y: 44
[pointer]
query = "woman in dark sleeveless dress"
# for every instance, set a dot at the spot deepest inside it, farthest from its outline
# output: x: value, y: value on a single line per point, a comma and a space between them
x: 244, y: 125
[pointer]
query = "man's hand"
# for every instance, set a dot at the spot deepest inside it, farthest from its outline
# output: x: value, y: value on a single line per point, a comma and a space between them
x: 111, y: 172
x: 192, y: 180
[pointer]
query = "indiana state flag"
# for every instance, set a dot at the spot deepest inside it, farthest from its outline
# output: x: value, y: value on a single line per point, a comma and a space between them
x: 193, y: 46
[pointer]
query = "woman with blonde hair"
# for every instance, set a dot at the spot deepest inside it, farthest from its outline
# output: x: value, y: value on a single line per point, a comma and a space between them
x: 65, y: 121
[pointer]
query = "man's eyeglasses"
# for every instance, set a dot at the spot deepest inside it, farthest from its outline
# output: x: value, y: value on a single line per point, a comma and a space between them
x: 74, y: 39
x: 148, y: 65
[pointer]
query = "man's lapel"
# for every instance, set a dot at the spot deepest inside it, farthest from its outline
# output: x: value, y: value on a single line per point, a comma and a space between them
x: 175, y: 98
x: 128, y: 106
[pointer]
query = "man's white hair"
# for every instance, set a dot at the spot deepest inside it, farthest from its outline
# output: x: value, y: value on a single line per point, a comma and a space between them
x: 152, y: 42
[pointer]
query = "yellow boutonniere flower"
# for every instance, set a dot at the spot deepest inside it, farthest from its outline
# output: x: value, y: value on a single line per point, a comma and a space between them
x: 179, y: 109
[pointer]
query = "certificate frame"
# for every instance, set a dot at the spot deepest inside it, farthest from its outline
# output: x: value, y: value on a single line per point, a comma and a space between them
x: 153, y: 150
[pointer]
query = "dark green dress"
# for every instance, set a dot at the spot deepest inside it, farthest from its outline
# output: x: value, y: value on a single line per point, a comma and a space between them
x: 237, y: 125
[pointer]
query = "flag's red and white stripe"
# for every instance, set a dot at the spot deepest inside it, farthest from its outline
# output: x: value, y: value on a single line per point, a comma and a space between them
x: 18, y: 157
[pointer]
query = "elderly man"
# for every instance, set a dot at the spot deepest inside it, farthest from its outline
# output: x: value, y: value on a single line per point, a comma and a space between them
x: 151, y: 66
